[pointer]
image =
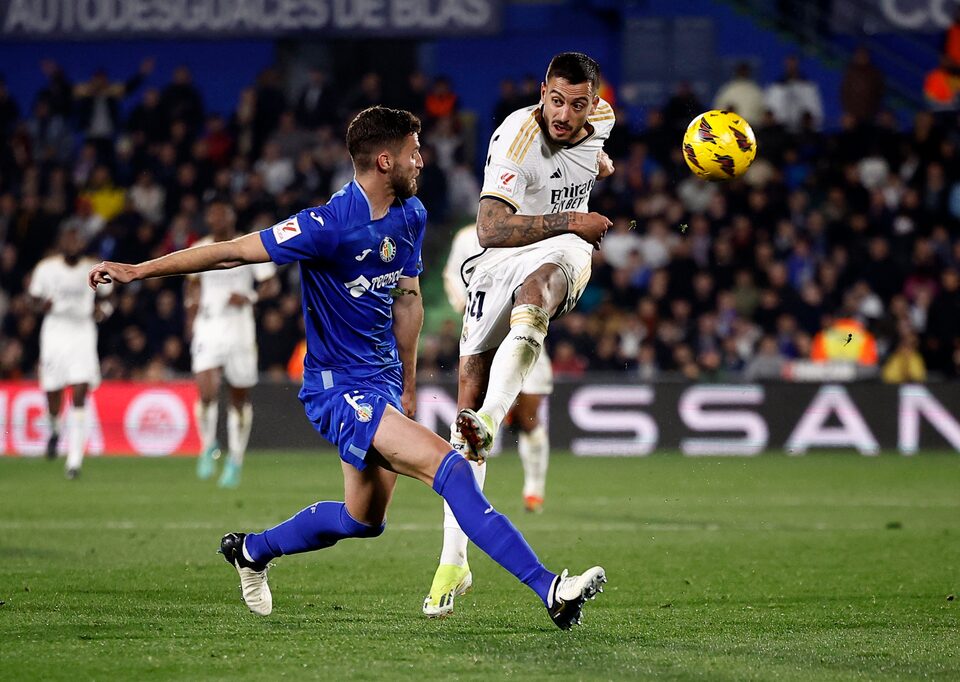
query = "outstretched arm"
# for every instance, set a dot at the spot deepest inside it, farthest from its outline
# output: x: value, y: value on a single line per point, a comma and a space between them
x: 217, y: 256
x: 498, y: 226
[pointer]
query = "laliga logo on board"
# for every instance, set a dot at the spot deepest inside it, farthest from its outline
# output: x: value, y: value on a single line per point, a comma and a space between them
x: 388, y: 250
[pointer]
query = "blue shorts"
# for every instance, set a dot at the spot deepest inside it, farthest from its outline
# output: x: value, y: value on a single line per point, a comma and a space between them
x: 347, y: 410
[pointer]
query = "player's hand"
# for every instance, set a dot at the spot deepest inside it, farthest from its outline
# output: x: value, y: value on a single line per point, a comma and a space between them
x: 107, y: 272
x: 238, y: 300
x: 408, y: 401
x: 590, y: 227
x: 604, y: 165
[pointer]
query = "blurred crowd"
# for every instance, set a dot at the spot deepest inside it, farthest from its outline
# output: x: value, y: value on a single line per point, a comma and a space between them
x: 852, y: 234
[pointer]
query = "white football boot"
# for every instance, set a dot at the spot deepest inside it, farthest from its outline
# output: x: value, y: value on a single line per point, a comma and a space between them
x: 569, y: 593
x: 253, y: 578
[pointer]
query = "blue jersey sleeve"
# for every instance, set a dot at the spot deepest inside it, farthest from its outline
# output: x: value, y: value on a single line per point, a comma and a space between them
x: 310, y: 234
x: 414, y: 266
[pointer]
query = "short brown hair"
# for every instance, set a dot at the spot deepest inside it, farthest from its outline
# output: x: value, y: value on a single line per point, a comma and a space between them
x: 375, y: 128
x: 575, y: 68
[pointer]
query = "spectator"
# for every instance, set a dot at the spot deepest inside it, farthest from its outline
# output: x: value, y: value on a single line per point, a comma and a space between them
x: 680, y: 109
x: 182, y: 101
x: 316, y: 105
x: 441, y: 101
x: 9, y: 110
x: 793, y: 96
x: 49, y: 132
x: 905, y: 364
x: 862, y: 89
x: 58, y: 91
x: 767, y: 364
x: 507, y: 103
x: 98, y: 107
x: 148, y: 121
x: 743, y: 95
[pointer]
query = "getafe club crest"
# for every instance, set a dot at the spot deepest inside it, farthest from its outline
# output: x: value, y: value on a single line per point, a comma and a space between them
x: 364, y: 412
x: 388, y: 250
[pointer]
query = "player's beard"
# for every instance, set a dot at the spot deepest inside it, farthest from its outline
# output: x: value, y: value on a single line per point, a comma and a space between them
x: 403, y: 188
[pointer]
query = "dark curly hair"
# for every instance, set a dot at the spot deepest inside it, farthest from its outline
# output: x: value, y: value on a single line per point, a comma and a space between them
x: 377, y: 128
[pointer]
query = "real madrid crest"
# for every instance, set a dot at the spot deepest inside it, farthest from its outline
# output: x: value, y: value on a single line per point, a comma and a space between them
x: 388, y: 250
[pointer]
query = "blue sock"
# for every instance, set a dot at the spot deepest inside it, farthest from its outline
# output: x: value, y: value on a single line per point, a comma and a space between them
x: 489, y: 530
x: 319, y: 525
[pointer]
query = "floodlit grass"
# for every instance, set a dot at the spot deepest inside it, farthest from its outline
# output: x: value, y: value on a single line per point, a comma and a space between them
x: 829, y: 566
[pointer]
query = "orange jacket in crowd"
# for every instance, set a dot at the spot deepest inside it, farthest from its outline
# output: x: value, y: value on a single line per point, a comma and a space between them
x: 846, y: 339
x: 295, y: 364
x: 951, y: 44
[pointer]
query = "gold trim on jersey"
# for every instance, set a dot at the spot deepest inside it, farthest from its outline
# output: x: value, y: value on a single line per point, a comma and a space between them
x: 604, y: 112
x: 499, y: 196
x: 528, y: 139
x: 522, y: 134
x: 582, y: 279
x: 526, y: 147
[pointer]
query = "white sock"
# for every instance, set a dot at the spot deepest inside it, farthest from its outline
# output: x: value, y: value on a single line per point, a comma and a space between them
x: 207, y: 415
x: 78, y: 437
x: 535, y: 454
x: 239, y: 423
x: 54, y: 421
x: 455, y: 540
x: 514, y: 359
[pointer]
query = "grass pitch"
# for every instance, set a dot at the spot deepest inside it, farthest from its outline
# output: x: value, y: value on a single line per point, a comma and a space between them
x: 829, y: 566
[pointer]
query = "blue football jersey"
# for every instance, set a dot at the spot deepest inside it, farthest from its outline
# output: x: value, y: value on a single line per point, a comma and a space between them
x: 349, y: 264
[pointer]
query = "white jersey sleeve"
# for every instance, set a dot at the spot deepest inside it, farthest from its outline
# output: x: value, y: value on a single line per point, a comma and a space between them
x: 504, y: 176
x: 466, y: 244
x: 40, y: 285
x: 264, y: 271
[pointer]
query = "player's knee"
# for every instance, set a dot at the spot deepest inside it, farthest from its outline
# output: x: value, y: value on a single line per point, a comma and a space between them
x: 357, y: 529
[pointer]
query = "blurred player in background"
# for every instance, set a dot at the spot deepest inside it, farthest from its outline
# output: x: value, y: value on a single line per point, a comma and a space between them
x: 533, y: 441
x: 359, y: 258
x: 224, y: 346
x: 538, y: 240
x: 68, y: 341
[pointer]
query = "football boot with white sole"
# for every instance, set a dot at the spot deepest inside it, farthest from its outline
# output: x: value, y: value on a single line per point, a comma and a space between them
x: 449, y: 582
x: 571, y: 592
x: 253, y: 578
x: 478, y: 430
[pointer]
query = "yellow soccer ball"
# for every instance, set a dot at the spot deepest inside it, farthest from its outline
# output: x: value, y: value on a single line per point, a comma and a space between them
x: 719, y: 145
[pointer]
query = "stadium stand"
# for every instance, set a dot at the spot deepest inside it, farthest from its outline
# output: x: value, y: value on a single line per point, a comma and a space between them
x: 860, y: 220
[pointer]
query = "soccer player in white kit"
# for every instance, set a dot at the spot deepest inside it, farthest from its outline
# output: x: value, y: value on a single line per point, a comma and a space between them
x: 68, y: 341
x: 533, y: 440
x: 224, y: 346
x: 538, y: 240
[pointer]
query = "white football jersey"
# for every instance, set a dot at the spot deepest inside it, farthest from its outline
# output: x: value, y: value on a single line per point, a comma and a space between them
x: 66, y: 287
x: 536, y: 176
x: 216, y: 286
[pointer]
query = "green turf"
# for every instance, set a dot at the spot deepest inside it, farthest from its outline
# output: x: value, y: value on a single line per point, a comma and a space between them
x: 796, y: 568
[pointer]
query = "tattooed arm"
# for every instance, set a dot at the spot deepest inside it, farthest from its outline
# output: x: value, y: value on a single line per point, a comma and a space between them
x: 498, y: 226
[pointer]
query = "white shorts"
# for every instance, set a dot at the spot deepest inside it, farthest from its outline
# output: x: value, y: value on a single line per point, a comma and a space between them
x: 68, y: 354
x: 223, y: 346
x: 492, y: 287
x: 540, y: 379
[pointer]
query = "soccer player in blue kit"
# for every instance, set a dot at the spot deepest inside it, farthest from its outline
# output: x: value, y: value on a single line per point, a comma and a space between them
x: 359, y: 258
